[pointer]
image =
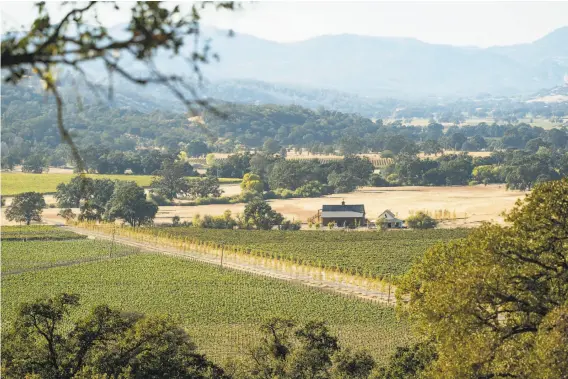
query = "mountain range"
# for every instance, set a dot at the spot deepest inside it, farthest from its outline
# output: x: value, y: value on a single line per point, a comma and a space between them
x: 371, y: 76
x: 390, y: 67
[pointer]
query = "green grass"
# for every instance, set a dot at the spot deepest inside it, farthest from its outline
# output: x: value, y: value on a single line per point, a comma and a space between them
x: 222, y: 309
x: 18, y: 256
x: 37, y: 232
x: 377, y: 253
x: 18, y: 182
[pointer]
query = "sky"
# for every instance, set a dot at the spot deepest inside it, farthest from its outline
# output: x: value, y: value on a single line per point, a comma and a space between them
x: 461, y: 23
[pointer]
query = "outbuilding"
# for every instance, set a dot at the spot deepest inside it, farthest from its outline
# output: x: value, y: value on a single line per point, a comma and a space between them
x: 343, y: 215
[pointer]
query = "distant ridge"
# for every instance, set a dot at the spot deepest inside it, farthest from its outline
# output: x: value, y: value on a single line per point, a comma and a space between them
x: 393, y: 66
x: 351, y: 69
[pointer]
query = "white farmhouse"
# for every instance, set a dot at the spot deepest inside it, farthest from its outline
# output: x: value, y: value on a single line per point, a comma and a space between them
x: 389, y: 219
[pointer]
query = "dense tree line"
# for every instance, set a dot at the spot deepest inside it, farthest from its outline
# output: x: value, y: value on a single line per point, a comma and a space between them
x: 298, y: 178
x: 278, y: 177
x: 518, y: 169
x: 106, y: 200
x: 330, y: 131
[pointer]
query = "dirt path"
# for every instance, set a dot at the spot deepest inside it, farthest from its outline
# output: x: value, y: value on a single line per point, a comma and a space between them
x: 265, y: 267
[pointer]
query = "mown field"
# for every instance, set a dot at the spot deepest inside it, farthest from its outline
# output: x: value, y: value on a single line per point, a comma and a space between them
x: 18, y: 182
x: 221, y: 308
x: 373, y: 253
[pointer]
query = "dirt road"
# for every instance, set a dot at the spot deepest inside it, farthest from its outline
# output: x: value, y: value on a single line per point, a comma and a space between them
x: 309, y: 276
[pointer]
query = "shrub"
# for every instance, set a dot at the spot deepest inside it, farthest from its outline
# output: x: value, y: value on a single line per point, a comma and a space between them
x: 382, y: 224
x: 284, y: 193
x: 213, y: 200
x: 252, y: 182
x: 210, y: 159
x: 247, y: 197
x: 421, y: 221
x: 270, y: 195
x: 225, y: 221
x: 159, y: 199
x: 310, y: 189
x: 377, y: 180
x: 290, y: 225
x: 393, y: 179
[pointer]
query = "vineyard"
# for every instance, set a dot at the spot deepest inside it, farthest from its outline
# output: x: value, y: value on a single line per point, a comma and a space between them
x: 378, y: 255
x: 16, y: 182
x: 221, y: 308
x: 24, y: 256
x: 36, y: 232
x: 377, y: 162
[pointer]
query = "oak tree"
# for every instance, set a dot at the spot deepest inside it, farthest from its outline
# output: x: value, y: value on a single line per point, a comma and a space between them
x: 495, y: 303
x: 26, y: 207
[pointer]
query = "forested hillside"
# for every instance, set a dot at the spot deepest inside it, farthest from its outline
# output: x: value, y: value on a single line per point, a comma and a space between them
x: 29, y: 125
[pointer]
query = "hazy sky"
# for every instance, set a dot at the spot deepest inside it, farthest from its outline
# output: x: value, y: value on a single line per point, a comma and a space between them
x: 451, y: 22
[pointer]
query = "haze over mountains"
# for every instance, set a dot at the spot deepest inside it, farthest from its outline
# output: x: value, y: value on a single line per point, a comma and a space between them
x: 352, y: 73
x: 392, y: 67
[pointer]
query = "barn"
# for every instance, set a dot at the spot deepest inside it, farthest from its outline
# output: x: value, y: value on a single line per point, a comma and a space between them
x: 343, y: 215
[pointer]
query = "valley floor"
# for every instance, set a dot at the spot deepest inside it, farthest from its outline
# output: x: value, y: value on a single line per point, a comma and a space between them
x: 471, y: 204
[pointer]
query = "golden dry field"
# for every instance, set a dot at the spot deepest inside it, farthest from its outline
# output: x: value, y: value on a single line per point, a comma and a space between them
x: 471, y: 204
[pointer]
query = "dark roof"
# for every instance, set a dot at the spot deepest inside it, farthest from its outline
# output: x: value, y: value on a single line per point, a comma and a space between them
x: 341, y: 214
x: 359, y: 208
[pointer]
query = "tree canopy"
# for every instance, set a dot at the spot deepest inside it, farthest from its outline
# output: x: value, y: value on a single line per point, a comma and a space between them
x: 170, y: 181
x: 26, y: 207
x: 420, y: 220
x: 291, y: 351
x: 260, y: 214
x: 50, y: 340
x: 128, y: 202
x: 495, y: 303
x: 45, y: 342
